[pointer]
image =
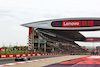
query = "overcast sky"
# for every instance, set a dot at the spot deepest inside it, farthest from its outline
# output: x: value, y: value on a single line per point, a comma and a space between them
x: 13, y: 13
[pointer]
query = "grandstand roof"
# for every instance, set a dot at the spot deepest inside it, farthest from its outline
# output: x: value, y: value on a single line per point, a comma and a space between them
x: 68, y: 35
x: 70, y: 24
x: 67, y: 27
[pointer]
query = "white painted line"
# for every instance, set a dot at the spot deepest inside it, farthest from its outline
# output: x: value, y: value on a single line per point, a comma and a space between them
x: 35, y: 60
x: 1, y: 66
x: 21, y: 62
x: 28, y: 61
x: 41, y: 59
x: 95, y: 57
x: 10, y: 64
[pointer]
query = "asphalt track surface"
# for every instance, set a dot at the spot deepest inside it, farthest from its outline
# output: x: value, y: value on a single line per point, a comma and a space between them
x: 93, y: 61
x: 12, y: 60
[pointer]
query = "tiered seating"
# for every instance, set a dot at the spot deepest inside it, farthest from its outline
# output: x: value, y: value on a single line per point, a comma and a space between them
x: 64, y: 48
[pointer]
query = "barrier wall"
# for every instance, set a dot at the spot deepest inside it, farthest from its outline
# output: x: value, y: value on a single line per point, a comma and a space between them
x: 33, y: 54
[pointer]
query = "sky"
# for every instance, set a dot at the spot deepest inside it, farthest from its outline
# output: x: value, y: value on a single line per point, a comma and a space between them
x: 13, y: 13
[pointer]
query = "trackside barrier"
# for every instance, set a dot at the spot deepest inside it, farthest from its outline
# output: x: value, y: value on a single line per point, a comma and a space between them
x: 94, y: 54
x: 24, y: 55
x: 18, y: 55
x: 11, y: 55
x: 46, y: 54
x: 29, y: 54
x: 38, y: 54
x: 33, y: 54
x: 50, y: 53
x: 43, y: 54
x: 3, y: 56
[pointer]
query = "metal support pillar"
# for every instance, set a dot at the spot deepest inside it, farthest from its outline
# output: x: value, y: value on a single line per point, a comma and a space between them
x: 52, y: 49
x: 45, y: 47
x: 38, y: 42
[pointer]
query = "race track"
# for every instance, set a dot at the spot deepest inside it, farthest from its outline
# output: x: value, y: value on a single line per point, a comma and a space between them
x: 11, y: 60
x: 87, y: 61
x: 62, y: 61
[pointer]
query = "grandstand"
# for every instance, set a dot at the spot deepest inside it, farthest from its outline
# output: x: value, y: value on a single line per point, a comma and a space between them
x: 58, y: 36
x: 60, y: 43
